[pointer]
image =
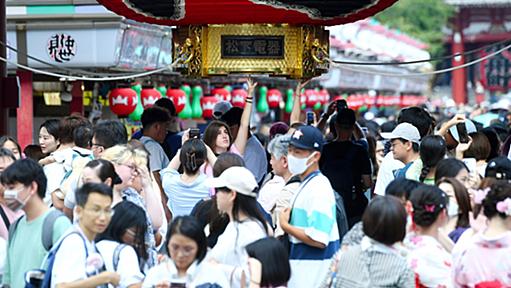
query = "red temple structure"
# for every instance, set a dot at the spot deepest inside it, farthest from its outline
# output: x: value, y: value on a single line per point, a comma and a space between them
x: 478, y: 23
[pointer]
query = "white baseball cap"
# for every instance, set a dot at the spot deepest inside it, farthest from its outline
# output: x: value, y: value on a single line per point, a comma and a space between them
x: 469, y: 126
x: 237, y: 178
x: 404, y: 131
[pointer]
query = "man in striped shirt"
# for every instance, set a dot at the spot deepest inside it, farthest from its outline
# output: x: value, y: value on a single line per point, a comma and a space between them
x: 310, y: 222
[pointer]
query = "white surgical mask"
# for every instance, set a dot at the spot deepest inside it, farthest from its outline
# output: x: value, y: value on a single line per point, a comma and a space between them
x: 12, y: 200
x: 452, y: 209
x: 298, y: 165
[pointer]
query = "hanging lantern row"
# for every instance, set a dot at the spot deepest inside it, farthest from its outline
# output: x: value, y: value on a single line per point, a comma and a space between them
x: 190, y: 102
x: 357, y: 101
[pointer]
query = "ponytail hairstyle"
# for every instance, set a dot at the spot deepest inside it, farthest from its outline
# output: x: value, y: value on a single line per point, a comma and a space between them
x: 498, y: 200
x: 428, y: 202
x: 193, y: 155
x: 432, y: 150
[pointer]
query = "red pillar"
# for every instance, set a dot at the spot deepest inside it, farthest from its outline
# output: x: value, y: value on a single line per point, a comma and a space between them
x: 458, y: 82
x: 77, y: 100
x: 25, y: 112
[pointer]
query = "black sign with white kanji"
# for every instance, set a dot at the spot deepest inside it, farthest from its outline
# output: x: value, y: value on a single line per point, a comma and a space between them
x: 269, y: 47
x: 61, y: 47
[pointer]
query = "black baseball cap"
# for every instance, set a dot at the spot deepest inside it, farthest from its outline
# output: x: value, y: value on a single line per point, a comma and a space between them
x: 499, y: 167
x: 307, y: 138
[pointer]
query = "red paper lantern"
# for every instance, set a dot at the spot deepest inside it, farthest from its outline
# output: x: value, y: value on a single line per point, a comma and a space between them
x: 199, y: 12
x: 324, y: 96
x: 311, y: 97
x: 208, y: 103
x: 238, y: 97
x: 222, y: 94
x: 177, y: 96
x: 149, y: 96
x: 274, y: 97
x: 123, y: 101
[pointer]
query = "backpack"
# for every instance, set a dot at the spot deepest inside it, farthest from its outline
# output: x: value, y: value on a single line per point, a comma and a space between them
x: 340, y: 216
x: 47, y: 233
x: 50, y: 261
x: 117, y: 255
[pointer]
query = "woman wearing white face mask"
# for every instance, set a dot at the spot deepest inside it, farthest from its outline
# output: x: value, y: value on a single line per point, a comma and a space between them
x: 458, y: 209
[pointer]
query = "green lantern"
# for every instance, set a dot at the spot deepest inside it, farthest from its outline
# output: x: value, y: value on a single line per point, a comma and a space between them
x: 196, y: 107
x: 137, y: 114
x: 228, y: 88
x: 163, y: 90
x: 317, y: 106
x: 187, y: 111
x: 262, y: 104
x: 289, y: 101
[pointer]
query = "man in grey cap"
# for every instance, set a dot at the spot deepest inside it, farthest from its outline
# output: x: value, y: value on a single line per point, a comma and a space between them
x: 405, y: 139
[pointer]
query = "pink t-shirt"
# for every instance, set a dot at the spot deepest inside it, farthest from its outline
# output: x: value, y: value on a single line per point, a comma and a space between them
x: 12, y: 216
x: 484, y: 260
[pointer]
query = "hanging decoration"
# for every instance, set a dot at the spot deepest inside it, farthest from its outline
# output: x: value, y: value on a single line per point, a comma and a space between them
x: 123, y: 101
x: 162, y: 89
x: 187, y: 111
x: 177, y: 96
x: 137, y: 114
x: 208, y: 103
x: 289, y: 101
x: 311, y: 98
x: 222, y: 94
x: 228, y: 88
x: 274, y: 97
x: 262, y: 104
x: 238, y: 97
x: 196, y: 103
x: 149, y: 96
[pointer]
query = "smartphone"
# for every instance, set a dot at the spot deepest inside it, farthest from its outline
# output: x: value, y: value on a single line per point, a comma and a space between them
x: 462, y: 132
x: 341, y: 104
x: 310, y: 118
x: 194, y: 133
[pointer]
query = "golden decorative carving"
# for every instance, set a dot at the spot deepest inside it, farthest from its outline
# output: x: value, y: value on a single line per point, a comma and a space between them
x: 277, y: 50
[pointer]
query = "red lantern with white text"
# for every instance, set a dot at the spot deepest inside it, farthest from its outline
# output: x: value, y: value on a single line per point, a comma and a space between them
x: 123, y: 101
x: 208, y: 103
x: 149, y: 96
x: 238, y: 97
x: 222, y: 94
x: 177, y: 96
x: 311, y: 97
x: 324, y: 96
x: 274, y: 97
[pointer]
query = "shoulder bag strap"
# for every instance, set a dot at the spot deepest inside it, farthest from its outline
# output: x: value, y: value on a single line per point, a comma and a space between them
x: 48, y: 223
x: 5, y: 218
x: 117, y: 255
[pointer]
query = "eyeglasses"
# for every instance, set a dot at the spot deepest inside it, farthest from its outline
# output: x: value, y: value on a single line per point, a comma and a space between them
x: 186, y: 250
x: 98, y: 212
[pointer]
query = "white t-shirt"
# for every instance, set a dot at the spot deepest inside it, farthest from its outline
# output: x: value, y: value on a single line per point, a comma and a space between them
x: 71, y: 263
x: 230, y: 248
x: 196, y: 275
x: 158, y: 160
x: 128, y: 265
x: 386, y: 173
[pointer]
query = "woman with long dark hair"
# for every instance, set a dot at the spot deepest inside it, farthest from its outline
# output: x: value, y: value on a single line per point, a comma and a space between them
x: 432, y: 149
x: 122, y: 244
x: 11, y: 144
x: 186, y: 266
x: 236, y: 196
x: 459, y: 207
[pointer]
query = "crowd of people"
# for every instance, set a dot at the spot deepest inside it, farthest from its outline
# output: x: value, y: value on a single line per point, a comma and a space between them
x: 418, y: 200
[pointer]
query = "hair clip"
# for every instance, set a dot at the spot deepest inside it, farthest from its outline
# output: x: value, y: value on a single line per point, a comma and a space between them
x: 504, y: 206
x: 480, y: 194
x: 430, y: 208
